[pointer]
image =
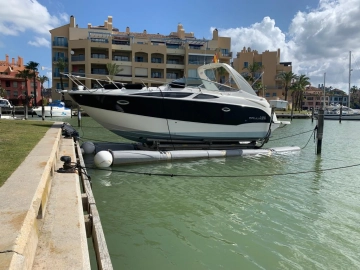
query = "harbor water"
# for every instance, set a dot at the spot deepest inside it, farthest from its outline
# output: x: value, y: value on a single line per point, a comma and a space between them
x: 288, y: 211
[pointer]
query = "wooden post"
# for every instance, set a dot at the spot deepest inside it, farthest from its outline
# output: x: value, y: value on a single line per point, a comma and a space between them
x: 320, y: 130
x: 312, y: 114
x: 340, y: 116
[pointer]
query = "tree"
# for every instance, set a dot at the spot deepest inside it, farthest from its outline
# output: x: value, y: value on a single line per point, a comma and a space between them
x: 298, y: 88
x: 42, y: 80
x: 26, y: 75
x: 33, y: 67
x: 113, y: 69
x: 253, y: 69
x: 2, y: 92
x: 61, y: 65
x: 221, y: 72
x: 287, y: 78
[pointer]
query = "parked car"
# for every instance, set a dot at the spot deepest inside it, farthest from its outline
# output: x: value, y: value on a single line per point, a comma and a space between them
x: 4, y: 103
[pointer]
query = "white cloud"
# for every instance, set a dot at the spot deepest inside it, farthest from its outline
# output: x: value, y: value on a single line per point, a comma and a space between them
x: 40, y: 42
x: 317, y: 41
x: 27, y: 15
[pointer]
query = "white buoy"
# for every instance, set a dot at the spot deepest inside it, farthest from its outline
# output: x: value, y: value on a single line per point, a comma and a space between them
x: 89, y: 147
x: 103, y: 159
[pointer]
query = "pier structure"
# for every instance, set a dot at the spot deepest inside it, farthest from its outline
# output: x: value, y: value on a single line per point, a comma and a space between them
x: 43, y: 225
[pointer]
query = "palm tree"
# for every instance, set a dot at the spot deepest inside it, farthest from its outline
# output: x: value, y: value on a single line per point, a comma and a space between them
x: 113, y: 69
x: 2, y: 92
x: 61, y: 65
x: 25, y: 74
x: 287, y: 78
x: 298, y: 88
x: 221, y: 72
x: 33, y: 67
x: 253, y: 69
x: 42, y: 80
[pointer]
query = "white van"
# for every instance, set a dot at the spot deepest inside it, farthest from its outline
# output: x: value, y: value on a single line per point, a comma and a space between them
x: 4, y: 103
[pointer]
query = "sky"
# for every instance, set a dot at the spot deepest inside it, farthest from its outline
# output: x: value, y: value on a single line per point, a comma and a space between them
x: 315, y: 35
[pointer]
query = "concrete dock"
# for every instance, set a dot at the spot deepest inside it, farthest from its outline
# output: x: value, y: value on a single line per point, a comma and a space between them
x: 41, y: 212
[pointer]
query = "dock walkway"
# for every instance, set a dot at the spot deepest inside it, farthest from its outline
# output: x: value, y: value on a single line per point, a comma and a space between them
x: 42, y: 216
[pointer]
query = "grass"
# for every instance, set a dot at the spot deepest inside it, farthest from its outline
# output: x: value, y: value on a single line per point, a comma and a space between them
x: 17, y: 139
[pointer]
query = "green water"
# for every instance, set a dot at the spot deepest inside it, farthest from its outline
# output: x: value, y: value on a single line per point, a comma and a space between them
x: 294, y: 221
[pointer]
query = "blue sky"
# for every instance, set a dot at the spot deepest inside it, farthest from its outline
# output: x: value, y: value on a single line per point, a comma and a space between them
x: 315, y: 35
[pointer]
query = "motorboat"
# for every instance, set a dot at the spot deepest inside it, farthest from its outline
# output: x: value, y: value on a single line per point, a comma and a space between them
x: 55, y: 108
x: 184, y: 110
x: 346, y: 113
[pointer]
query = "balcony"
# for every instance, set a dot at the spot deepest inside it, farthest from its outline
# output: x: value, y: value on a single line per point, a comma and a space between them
x: 56, y: 58
x: 59, y: 43
x: 76, y: 58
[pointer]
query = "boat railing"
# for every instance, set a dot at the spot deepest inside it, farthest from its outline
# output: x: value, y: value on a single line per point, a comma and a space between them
x: 199, y: 83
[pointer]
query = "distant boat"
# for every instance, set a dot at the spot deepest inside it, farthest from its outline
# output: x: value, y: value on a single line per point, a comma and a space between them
x: 54, y: 109
x: 333, y: 113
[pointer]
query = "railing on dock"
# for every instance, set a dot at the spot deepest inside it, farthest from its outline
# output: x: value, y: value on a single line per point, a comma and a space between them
x: 92, y: 219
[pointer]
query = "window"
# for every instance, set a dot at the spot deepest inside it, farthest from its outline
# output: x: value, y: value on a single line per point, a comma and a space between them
x: 192, y: 73
x: 7, y: 83
x: 156, y: 75
x: 225, y: 52
x: 139, y: 59
x: 155, y: 60
x: 246, y: 64
x: 259, y: 63
x: 171, y: 76
x: 8, y: 93
x: 200, y: 59
x: 173, y: 46
x: 15, y: 93
x: 121, y: 58
x: 98, y: 71
x: 267, y: 94
x: 172, y: 61
x: 274, y: 94
x: 98, y: 55
x: 204, y: 96
x: 23, y: 84
x: 15, y: 84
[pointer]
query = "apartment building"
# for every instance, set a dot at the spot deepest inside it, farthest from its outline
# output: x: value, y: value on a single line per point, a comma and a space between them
x: 314, y: 97
x: 15, y: 87
x: 152, y: 59
x: 272, y: 67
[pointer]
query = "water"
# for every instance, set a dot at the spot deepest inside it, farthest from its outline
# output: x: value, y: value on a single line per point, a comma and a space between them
x: 231, y: 219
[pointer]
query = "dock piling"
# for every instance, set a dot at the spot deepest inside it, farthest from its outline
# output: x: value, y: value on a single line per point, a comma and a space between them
x: 320, y: 130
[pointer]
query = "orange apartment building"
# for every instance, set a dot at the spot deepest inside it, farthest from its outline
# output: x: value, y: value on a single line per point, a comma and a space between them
x: 272, y: 67
x: 149, y: 58
x: 15, y: 87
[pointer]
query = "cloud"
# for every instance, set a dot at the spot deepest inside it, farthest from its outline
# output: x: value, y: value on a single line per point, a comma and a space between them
x: 28, y: 15
x: 40, y: 42
x: 317, y: 41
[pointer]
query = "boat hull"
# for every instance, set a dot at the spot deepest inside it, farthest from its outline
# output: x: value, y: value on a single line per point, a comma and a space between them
x: 144, y: 128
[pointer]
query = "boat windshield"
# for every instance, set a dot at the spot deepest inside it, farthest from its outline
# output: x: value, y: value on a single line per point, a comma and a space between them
x: 201, y: 83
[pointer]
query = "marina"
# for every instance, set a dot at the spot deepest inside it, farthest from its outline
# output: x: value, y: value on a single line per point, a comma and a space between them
x: 285, y: 211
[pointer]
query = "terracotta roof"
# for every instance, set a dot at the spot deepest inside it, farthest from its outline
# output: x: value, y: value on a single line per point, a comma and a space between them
x: 9, y: 77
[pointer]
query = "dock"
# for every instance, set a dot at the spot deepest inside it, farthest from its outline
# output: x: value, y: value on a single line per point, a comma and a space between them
x: 47, y: 216
x: 295, y: 115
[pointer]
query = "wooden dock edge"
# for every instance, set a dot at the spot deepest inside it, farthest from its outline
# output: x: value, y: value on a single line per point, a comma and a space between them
x: 93, y: 223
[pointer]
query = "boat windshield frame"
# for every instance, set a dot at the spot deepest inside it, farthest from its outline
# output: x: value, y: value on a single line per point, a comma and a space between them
x: 192, y: 82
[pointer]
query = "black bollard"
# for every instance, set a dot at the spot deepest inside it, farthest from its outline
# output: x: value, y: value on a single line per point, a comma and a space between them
x: 320, y: 130
x: 312, y: 114
x: 79, y: 116
x: 51, y: 112
x: 340, y: 116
